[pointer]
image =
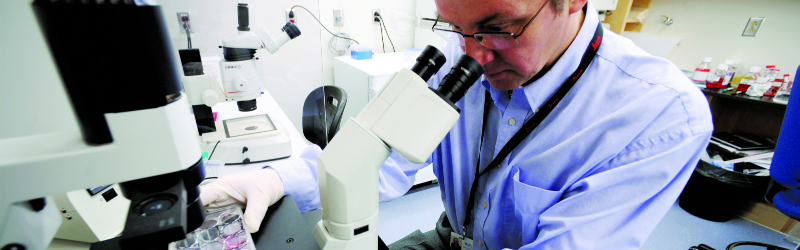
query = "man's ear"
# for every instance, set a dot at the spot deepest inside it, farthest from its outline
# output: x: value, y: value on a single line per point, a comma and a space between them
x: 575, y: 5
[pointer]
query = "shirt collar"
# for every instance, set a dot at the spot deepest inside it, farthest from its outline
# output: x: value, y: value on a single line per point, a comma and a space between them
x: 540, y: 90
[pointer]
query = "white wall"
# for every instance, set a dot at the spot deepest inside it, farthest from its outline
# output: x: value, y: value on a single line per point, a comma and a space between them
x: 398, y: 15
x: 714, y: 28
x: 29, y: 80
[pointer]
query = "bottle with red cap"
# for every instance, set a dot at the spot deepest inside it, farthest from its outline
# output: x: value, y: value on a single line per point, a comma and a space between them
x: 771, y: 73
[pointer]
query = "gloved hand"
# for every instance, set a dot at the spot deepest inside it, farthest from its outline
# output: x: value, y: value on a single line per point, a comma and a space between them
x: 258, y: 189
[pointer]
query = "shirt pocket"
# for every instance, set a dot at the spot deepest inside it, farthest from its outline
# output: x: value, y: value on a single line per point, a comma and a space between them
x: 528, y: 204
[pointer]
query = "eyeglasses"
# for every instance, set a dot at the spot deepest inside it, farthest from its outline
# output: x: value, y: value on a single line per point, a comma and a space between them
x: 491, y: 40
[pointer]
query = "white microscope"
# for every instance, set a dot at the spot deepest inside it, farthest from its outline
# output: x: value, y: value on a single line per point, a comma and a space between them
x: 136, y: 129
x: 406, y: 116
x: 239, y: 140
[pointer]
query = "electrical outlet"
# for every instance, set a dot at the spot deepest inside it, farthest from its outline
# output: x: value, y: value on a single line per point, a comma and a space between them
x: 374, y: 16
x: 291, y: 17
x: 751, y: 29
x: 338, y: 20
x: 183, y: 19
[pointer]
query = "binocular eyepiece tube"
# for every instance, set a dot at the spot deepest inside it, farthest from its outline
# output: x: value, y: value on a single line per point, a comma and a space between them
x: 456, y: 83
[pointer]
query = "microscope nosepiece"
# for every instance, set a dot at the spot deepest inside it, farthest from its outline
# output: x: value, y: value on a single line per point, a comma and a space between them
x: 247, y: 106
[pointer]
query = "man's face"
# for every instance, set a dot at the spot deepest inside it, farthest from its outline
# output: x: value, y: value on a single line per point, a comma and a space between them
x: 539, y: 45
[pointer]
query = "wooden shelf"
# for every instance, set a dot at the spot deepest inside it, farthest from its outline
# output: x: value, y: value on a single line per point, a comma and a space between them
x: 619, y: 20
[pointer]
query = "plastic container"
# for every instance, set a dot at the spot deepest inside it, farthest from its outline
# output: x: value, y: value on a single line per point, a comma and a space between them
x: 759, y: 88
x: 782, y: 96
x: 717, y: 80
x: 771, y: 73
x: 731, y: 71
x: 748, y: 79
x: 361, y: 51
x: 702, y: 71
x: 222, y: 229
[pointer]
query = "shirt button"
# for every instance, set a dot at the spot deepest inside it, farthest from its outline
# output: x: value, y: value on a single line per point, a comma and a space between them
x: 499, y: 166
x: 512, y: 121
x: 480, y: 244
x: 485, y: 205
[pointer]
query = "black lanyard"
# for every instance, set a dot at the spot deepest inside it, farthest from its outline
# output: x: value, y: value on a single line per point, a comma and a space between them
x: 531, y: 124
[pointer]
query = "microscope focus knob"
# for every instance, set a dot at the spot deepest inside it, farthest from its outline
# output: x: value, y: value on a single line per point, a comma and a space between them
x: 210, y: 97
x: 240, y: 83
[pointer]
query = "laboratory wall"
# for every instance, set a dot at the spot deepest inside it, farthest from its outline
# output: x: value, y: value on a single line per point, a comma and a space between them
x: 33, y: 100
x: 398, y: 15
x: 714, y: 28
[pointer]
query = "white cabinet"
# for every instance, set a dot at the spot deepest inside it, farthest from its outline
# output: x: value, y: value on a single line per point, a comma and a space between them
x: 362, y: 79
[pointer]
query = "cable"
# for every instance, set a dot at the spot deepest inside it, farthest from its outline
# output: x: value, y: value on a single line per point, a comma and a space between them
x: 320, y: 23
x: 188, y: 38
x: 334, y: 46
x: 212, y: 151
x: 383, y: 45
x: 751, y: 243
x: 387, y: 33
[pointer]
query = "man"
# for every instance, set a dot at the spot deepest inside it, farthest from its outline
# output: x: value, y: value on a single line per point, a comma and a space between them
x: 598, y: 172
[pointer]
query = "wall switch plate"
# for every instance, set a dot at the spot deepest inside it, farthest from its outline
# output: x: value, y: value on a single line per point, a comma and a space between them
x: 291, y: 17
x: 338, y: 20
x: 752, y: 26
x: 375, y: 19
x: 181, y: 16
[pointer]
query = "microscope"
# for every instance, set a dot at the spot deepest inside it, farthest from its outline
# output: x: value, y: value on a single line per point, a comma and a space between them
x: 136, y: 129
x: 406, y: 116
x: 240, y: 140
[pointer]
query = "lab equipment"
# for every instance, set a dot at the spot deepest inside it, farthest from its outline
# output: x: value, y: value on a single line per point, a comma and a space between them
x: 406, y: 116
x: 749, y: 79
x: 702, y: 71
x: 240, y: 140
x: 731, y: 71
x: 759, y: 87
x: 771, y: 73
x: 222, y: 229
x: 361, y: 51
x: 783, y: 93
x: 717, y: 80
x: 142, y: 139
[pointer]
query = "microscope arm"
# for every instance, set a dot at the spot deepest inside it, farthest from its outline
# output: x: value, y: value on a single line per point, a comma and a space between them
x: 406, y: 116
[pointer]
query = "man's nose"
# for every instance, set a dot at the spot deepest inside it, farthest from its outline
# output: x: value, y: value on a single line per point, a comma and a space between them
x: 477, y: 51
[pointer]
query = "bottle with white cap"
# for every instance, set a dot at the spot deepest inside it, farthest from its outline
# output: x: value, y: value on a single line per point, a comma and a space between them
x: 749, y: 79
x: 759, y: 87
x: 717, y: 80
x: 731, y: 71
x: 702, y: 71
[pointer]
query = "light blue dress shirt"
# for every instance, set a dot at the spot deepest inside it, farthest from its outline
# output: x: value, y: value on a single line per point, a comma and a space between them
x: 598, y: 173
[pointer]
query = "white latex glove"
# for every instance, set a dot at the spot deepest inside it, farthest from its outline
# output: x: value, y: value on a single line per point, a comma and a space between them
x: 258, y: 189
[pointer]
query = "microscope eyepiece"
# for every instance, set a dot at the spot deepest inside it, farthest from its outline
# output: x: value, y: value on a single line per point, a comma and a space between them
x: 244, y: 17
x: 463, y: 74
x: 428, y: 63
x: 246, y: 106
x: 291, y: 30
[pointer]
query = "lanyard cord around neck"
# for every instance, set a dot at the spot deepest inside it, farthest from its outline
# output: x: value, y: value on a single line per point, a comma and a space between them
x: 531, y: 124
